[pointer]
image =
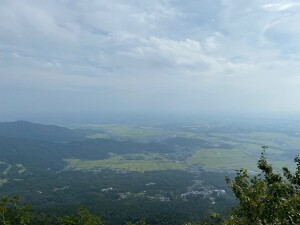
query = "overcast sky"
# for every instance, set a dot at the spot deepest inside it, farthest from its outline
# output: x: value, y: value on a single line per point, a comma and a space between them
x: 149, y: 56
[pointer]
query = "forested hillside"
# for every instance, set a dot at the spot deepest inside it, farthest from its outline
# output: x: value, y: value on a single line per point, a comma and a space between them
x: 24, y: 129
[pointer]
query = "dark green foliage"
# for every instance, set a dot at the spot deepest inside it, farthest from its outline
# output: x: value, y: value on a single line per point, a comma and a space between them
x: 12, y: 213
x: 141, y: 222
x: 100, y: 148
x: 24, y: 129
x: 83, y: 217
x: 267, y: 198
x: 86, y: 189
x: 212, y: 219
x: 33, y: 154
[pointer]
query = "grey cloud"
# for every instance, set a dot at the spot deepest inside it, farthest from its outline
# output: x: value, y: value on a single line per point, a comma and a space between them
x: 164, y: 54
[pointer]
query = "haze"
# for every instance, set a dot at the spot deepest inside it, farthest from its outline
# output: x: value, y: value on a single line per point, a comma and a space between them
x: 149, y: 56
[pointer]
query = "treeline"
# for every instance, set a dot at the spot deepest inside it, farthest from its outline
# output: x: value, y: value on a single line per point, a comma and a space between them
x: 264, y: 199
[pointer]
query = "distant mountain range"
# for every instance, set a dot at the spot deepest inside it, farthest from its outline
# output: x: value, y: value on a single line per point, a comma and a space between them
x: 24, y: 129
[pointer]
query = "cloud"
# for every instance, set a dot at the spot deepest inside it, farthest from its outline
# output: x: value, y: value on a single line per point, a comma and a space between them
x: 171, y: 54
x: 277, y: 7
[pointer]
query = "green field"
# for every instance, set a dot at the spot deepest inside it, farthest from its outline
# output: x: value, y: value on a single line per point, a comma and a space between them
x: 222, y: 159
x: 124, y: 131
x: 244, y: 153
x: 137, y: 163
x: 272, y: 139
x: 209, y: 159
x: 231, y: 159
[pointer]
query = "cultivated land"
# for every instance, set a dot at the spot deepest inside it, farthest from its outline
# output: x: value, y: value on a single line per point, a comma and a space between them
x: 129, y: 162
x: 8, y: 171
x: 124, y: 131
x: 223, y: 151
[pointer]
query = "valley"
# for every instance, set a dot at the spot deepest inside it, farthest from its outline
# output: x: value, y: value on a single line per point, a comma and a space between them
x: 164, y: 169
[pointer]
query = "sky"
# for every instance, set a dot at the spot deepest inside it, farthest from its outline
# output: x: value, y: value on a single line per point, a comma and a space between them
x: 72, y: 56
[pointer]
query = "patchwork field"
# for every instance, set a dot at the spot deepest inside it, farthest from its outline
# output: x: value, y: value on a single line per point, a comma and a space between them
x: 137, y: 163
x: 125, y: 132
x: 242, y: 151
x: 274, y: 140
x: 10, y: 171
x: 6, y: 168
x: 216, y: 159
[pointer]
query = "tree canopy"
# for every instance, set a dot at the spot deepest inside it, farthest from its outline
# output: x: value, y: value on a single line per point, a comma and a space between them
x: 266, y: 198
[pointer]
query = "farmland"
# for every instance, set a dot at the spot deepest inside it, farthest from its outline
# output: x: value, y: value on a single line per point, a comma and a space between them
x: 224, y: 151
x: 137, y: 163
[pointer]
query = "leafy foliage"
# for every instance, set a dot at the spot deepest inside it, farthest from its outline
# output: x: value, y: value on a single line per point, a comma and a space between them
x: 141, y: 222
x: 11, y: 212
x: 84, y: 217
x: 266, y: 198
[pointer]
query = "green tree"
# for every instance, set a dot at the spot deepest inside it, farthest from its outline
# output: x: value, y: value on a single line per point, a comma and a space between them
x: 267, y: 198
x: 83, y: 217
x: 12, y: 212
x: 141, y: 222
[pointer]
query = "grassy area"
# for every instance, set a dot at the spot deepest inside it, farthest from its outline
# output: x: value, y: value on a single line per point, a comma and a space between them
x: 21, y: 168
x: 222, y: 159
x: 7, y: 169
x: 231, y: 159
x: 272, y: 139
x: 11, y: 168
x: 127, y: 132
x: 244, y: 154
x: 137, y: 163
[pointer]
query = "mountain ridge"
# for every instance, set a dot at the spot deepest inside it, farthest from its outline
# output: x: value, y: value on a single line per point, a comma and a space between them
x: 29, y: 130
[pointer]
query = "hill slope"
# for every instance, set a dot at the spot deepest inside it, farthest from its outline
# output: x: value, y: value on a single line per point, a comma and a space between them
x: 24, y: 129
